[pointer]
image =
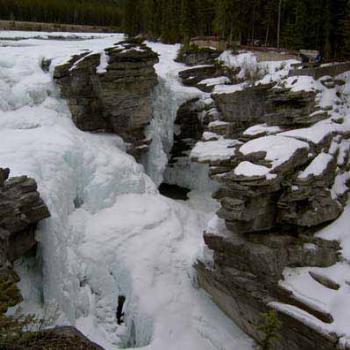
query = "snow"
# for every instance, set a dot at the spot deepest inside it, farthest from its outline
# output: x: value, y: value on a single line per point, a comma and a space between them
x: 209, y: 136
x: 301, y: 315
x: 218, y: 123
x: 301, y: 83
x: 246, y: 61
x: 312, y: 293
x: 275, y: 71
x: 262, y: 129
x: 229, y: 89
x: 339, y: 231
x: 340, y: 185
x: 222, y: 149
x: 215, y: 81
x: 189, y: 174
x: 249, y: 169
x: 317, y: 166
x: 167, y: 97
x: 344, y: 152
x: 218, y: 227
x: 20, y: 35
x: 104, y: 58
x: 268, y: 71
x: 316, y: 133
x: 278, y: 149
x: 110, y: 232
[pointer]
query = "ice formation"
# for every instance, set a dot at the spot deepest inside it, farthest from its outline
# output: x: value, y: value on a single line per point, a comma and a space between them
x: 110, y: 232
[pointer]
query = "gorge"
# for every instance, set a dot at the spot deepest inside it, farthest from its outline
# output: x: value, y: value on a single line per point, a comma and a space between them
x: 273, y: 152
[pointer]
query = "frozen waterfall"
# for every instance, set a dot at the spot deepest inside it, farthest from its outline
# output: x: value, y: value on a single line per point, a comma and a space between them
x: 110, y: 232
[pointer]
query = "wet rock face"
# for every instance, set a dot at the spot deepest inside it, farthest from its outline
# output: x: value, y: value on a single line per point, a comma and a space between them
x: 189, y: 128
x: 21, y: 208
x: 111, y: 92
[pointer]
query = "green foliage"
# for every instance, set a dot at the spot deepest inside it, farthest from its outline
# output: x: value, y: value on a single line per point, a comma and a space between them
x: 9, y: 293
x: 88, y: 12
x: 327, y: 29
x: 305, y: 24
x: 345, y: 32
x: 12, y: 329
x: 269, y: 327
x: 16, y: 330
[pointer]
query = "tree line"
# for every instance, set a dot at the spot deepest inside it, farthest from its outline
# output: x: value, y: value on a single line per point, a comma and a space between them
x: 323, y: 24
x: 309, y: 24
x: 84, y: 12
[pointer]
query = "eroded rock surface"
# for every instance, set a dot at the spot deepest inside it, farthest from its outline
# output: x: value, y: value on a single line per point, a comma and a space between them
x: 21, y: 208
x: 56, y: 339
x: 282, y: 161
x: 267, y: 104
x: 111, y: 91
x: 197, y: 56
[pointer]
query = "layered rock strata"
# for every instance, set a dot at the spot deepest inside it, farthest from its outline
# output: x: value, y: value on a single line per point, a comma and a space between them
x: 56, y: 339
x: 195, y: 55
x: 111, y: 91
x: 21, y: 208
x: 282, y: 161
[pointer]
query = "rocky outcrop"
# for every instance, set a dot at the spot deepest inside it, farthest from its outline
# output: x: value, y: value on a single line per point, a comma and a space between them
x: 244, y: 280
x: 267, y: 104
x: 280, y: 181
x: 21, y: 208
x: 206, y: 77
x: 111, y: 91
x: 189, y: 127
x: 195, y: 55
x: 55, y: 339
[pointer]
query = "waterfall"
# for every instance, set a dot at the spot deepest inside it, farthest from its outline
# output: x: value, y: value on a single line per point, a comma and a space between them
x: 110, y: 232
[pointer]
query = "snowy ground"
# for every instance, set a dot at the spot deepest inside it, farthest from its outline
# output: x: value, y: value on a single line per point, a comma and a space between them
x: 110, y: 232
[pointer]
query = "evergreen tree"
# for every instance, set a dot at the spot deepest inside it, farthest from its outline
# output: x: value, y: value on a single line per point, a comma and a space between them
x: 187, y: 22
x: 346, y: 32
x: 309, y: 24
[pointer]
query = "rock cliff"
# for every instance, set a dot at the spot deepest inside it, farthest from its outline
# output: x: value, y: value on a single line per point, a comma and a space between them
x: 55, y: 339
x: 281, y: 157
x: 21, y: 208
x: 111, y: 91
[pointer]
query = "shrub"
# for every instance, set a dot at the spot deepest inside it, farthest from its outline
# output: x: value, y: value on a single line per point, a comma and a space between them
x: 269, y: 327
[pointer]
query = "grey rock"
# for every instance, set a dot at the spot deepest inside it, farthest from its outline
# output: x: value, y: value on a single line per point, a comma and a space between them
x: 267, y: 104
x: 118, y: 100
x: 21, y: 208
x: 324, y: 280
x: 244, y: 280
x: 56, y: 338
x: 194, y: 56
